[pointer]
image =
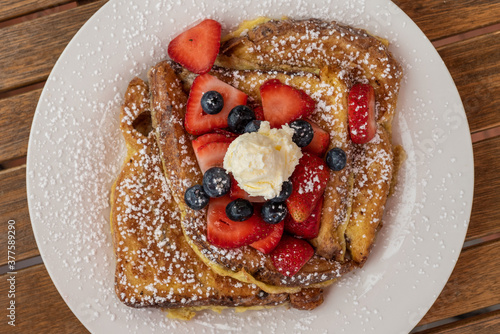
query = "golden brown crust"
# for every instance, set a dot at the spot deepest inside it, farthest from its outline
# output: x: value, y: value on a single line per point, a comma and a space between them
x: 168, y: 103
x: 330, y: 242
x: 307, y: 299
x: 135, y: 104
x: 373, y: 163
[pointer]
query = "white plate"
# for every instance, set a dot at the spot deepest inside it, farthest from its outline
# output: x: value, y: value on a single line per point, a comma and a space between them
x: 76, y: 150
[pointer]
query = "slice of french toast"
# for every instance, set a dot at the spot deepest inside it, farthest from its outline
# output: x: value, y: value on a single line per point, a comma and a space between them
x: 155, y: 265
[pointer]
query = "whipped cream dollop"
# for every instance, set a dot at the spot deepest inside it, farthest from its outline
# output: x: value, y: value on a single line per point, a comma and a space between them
x: 261, y: 161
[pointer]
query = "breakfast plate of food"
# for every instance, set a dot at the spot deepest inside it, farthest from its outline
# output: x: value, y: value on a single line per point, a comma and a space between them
x: 251, y: 166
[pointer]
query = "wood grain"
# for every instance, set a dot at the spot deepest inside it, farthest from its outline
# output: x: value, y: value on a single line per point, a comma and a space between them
x: 30, y: 49
x: 39, y: 306
x: 488, y: 323
x: 16, y: 115
x: 14, y: 205
x: 473, y: 285
x: 485, y: 216
x: 15, y: 8
x: 474, y: 65
x: 439, y: 19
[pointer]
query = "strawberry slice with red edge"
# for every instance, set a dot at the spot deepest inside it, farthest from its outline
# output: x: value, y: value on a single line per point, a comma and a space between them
x: 291, y: 254
x: 198, y: 122
x: 362, y: 122
x: 282, y: 103
x: 211, y: 155
x: 310, y: 227
x: 309, y: 182
x: 197, y: 47
x: 210, y: 149
x: 236, y: 192
x: 270, y: 242
x: 209, y: 138
x: 320, y: 141
x: 226, y: 233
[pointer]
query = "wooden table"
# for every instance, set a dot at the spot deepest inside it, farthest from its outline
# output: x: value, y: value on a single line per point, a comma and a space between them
x: 33, y: 33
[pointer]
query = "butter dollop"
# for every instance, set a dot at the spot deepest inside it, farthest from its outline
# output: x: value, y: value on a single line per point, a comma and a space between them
x: 260, y: 161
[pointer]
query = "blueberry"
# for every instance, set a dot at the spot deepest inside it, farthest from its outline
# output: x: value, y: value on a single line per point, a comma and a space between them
x: 336, y: 159
x: 216, y: 182
x: 252, y: 126
x: 303, y: 134
x: 212, y: 102
x: 196, y: 198
x: 239, y: 210
x: 239, y: 117
x: 286, y: 191
x: 273, y: 212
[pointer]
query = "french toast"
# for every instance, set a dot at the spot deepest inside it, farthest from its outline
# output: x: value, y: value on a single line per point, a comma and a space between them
x: 355, y: 197
x: 155, y: 265
x: 322, y: 59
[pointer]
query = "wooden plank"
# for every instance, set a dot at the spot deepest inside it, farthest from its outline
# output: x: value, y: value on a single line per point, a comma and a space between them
x: 484, y: 323
x: 14, y: 206
x: 16, y: 115
x: 39, y: 307
x: 473, y: 285
x: 439, y: 19
x: 485, y: 216
x: 30, y: 49
x: 475, y: 67
x: 15, y: 8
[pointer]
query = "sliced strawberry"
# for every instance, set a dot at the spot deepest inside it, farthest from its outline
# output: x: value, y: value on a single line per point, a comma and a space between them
x: 270, y: 242
x: 198, y: 122
x: 320, y: 141
x: 210, y: 138
x: 283, y: 104
x: 237, y: 192
x: 309, y: 182
x: 197, y: 48
x: 211, y: 155
x: 226, y: 233
x: 362, y: 123
x: 291, y: 254
x: 310, y: 227
x: 259, y: 113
